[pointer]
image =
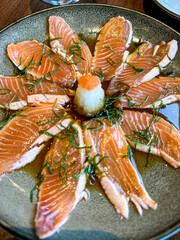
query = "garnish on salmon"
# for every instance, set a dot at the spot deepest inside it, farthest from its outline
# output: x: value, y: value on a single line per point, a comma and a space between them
x: 15, y: 92
x: 143, y: 65
x: 60, y: 192
x: 129, y: 80
x: 119, y: 178
x: 89, y: 97
x: 17, y: 137
x: 152, y: 134
x: 112, y: 43
x: 38, y: 60
x: 156, y: 92
x: 69, y: 45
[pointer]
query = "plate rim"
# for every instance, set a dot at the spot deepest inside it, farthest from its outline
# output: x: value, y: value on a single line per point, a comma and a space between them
x: 171, y: 13
x: 88, y: 4
x: 172, y: 230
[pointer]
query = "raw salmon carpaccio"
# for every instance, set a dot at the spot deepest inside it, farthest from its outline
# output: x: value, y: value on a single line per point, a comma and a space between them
x: 59, y: 192
x: 110, y: 50
x: 142, y: 65
x: 18, y: 136
x: 167, y: 144
x: 15, y: 93
x: 158, y: 91
x: 70, y: 46
x: 119, y: 180
x: 41, y: 63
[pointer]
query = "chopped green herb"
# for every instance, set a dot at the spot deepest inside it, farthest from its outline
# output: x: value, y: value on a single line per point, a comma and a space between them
x: 148, y: 136
x: 76, y: 49
x: 172, y: 127
x: 12, y: 116
x: 128, y: 152
x: 139, y: 54
x: 111, y: 62
x: 99, y: 74
x: 51, y: 40
x: 69, y: 62
x: 51, y: 52
x: 132, y: 104
x: 36, y: 187
x: 5, y: 91
x: 111, y: 49
x: 91, y: 168
x: 137, y: 70
x: 125, y: 87
x: 94, y: 120
x: 148, y: 157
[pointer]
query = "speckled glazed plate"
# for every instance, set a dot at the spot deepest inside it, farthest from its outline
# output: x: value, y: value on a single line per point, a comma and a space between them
x: 171, y: 7
x: 95, y: 219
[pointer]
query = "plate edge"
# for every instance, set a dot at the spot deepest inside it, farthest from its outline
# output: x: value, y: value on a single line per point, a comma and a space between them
x: 172, y: 14
x: 173, y: 229
x: 88, y: 4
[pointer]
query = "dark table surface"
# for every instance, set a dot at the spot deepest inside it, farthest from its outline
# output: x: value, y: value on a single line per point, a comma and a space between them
x: 12, y: 10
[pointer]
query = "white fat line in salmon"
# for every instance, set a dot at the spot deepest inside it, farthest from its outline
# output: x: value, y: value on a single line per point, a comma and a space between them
x: 47, y: 98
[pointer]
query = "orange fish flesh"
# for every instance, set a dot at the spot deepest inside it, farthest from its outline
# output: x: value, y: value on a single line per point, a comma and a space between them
x: 143, y: 65
x: 152, y: 134
x: 38, y: 60
x: 16, y: 93
x: 18, y: 136
x: 60, y: 192
x: 110, y: 51
x: 156, y: 92
x: 69, y: 45
x: 119, y: 179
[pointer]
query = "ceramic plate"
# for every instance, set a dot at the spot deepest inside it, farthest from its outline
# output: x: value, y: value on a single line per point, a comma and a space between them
x: 95, y: 219
x: 171, y: 7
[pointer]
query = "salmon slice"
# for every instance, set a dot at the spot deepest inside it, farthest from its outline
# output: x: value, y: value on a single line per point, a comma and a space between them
x: 15, y: 93
x: 156, y: 92
x: 119, y: 180
x: 18, y: 136
x: 38, y: 60
x: 59, y: 193
x: 36, y: 99
x: 69, y: 46
x: 110, y: 51
x: 161, y: 139
x: 143, y: 65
